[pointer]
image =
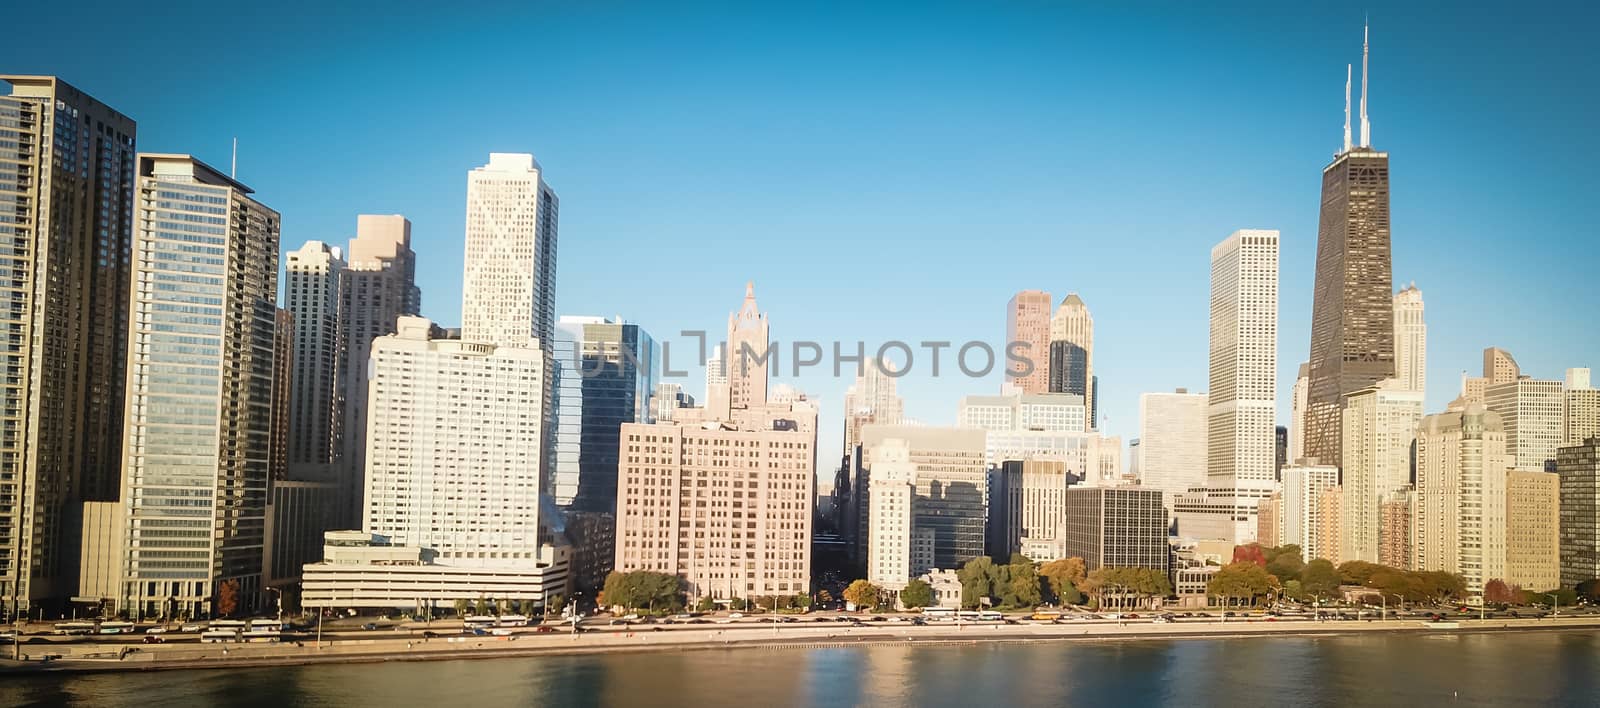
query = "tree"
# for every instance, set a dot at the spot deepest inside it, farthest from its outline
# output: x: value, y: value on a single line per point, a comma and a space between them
x: 801, y: 602
x: 1319, y: 579
x: 1064, y: 576
x: 527, y: 607
x: 706, y: 604
x: 1359, y: 572
x: 917, y: 594
x: 739, y: 604
x: 1023, y: 590
x: 976, y: 578
x: 462, y: 606
x: 643, y: 589
x: 824, y: 597
x: 1243, y: 581
x: 1250, y: 553
x: 862, y: 594
x: 556, y: 604
x: 1285, y: 562
x: 228, y: 597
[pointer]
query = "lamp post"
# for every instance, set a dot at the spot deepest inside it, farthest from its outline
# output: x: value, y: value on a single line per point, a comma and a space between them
x: 1555, y: 604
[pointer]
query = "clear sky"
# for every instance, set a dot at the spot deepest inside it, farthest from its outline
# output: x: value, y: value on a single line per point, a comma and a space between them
x: 897, y: 172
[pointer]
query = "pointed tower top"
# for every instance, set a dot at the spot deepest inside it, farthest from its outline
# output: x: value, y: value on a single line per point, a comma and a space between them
x: 1366, y: 127
x: 1347, y: 70
x: 749, y: 289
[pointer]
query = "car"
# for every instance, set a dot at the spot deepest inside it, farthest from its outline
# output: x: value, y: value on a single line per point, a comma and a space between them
x: 479, y: 632
x: 156, y: 630
x: 1161, y: 620
x: 630, y: 617
x: 153, y: 639
x: 192, y: 627
x: 919, y: 622
x: 735, y: 615
x: 617, y: 622
x: 501, y: 632
x: 370, y: 626
x: 875, y: 619
x: 648, y: 620
x: 658, y: 629
x: 1229, y: 613
x: 699, y: 620
x: 544, y: 629
x: 1133, y: 615
x: 1010, y: 620
x: 821, y: 619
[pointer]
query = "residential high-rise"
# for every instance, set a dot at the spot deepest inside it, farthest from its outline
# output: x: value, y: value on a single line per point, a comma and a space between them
x: 1579, y: 469
x: 1072, y: 353
x: 1117, y: 527
x: 282, y: 382
x: 1533, y: 412
x: 614, y: 364
x: 508, y: 290
x: 1459, y: 518
x: 1533, y: 538
x: 455, y: 451
x: 1498, y: 367
x: 66, y: 190
x: 1172, y: 442
x: 677, y: 513
x: 1581, y: 419
x: 198, y: 418
x: 378, y: 288
x: 1269, y: 521
x: 891, y: 533
x: 1352, y: 310
x: 951, y: 487
x: 1394, y: 529
x: 1410, y: 340
x: 1304, y: 488
x: 1028, y: 322
x: 745, y: 360
x: 1241, y: 409
x: 1380, y: 424
x: 1297, y: 417
x: 871, y: 399
x: 1325, y: 531
x: 1280, y: 456
x: 314, y: 272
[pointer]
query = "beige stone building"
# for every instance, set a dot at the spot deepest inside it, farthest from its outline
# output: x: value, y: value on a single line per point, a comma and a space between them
x: 1459, y: 518
x: 1269, y: 521
x: 1498, y: 367
x: 1380, y: 423
x: 1326, y: 531
x: 1533, y: 541
x: 726, y: 505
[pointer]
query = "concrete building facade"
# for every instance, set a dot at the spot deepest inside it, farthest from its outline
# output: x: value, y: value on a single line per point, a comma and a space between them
x: 1459, y: 518
x: 1579, y: 469
x: 1533, y: 538
x: 1028, y: 322
x: 1380, y: 424
x: 1173, y: 434
x: 1532, y: 412
x: 1117, y: 527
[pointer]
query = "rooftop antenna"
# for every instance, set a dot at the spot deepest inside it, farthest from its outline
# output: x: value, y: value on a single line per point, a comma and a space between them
x: 233, y: 170
x: 1366, y: 128
x: 1347, y: 70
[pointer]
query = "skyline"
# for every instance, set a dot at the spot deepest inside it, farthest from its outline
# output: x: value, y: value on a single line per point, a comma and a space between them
x: 1149, y: 340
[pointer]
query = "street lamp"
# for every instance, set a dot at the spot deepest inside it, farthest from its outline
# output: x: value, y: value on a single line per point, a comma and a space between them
x: 1555, y: 604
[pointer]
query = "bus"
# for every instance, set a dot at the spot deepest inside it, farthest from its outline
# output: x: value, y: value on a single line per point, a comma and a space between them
x: 1049, y: 616
x: 512, y: 621
x: 116, y: 628
x: 219, y: 636
x: 939, y: 612
x: 478, y: 622
x: 266, y: 625
x: 236, y: 625
x: 259, y: 635
x: 75, y: 628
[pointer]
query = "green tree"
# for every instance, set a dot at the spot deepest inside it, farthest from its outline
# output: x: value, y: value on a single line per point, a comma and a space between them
x: 976, y: 581
x: 801, y: 602
x: 643, y: 589
x: 739, y: 604
x: 1023, y: 589
x: 1285, y: 562
x: 863, y: 594
x: 1358, y: 572
x: 1064, y: 576
x: 462, y: 606
x: 917, y: 594
x: 556, y: 604
x: 1319, y: 579
x: 824, y: 597
x: 1589, y: 590
x: 526, y: 608
x: 706, y: 604
x: 1242, y: 582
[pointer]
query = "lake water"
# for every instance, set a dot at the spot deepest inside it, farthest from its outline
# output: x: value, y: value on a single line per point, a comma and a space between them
x: 1544, y: 669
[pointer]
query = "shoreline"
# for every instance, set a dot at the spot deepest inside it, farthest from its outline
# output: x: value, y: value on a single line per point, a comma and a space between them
x: 365, y: 651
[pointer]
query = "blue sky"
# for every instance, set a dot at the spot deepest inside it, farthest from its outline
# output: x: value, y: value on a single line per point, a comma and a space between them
x: 897, y: 172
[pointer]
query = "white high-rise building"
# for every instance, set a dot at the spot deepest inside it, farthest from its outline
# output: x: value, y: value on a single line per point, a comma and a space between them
x: 1058, y: 412
x: 196, y: 449
x: 1172, y: 442
x: 1410, y: 340
x: 1297, y: 414
x: 1533, y: 412
x: 1241, y: 447
x: 871, y: 399
x: 1581, y: 417
x: 312, y: 294
x: 455, y: 448
x: 1459, y: 516
x: 889, y: 531
x: 508, y: 291
x: 1304, y: 487
x: 1380, y: 423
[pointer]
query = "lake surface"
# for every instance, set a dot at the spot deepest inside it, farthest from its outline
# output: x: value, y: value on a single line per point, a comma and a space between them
x: 1513, y: 669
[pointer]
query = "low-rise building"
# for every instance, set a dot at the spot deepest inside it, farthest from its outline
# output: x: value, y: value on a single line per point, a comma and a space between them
x: 363, y: 570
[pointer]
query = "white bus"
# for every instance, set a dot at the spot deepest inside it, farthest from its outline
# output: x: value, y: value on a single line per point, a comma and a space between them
x: 239, y: 625
x: 939, y: 612
x: 219, y: 636
x: 266, y: 625
x: 116, y: 628
x: 260, y: 635
x: 478, y: 622
x: 512, y: 621
x: 72, y: 628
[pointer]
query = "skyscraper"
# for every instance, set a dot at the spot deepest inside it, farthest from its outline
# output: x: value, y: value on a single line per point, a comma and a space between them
x: 1352, y: 312
x: 1072, y: 353
x: 1410, y: 340
x: 1533, y: 539
x: 1532, y: 411
x: 1240, y: 449
x: 1172, y: 442
x: 1297, y: 415
x: 745, y: 360
x: 378, y: 288
x: 200, y: 394
x: 951, y: 486
x: 890, y: 538
x: 509, y: 287
x: 314, y: 272
x: 1117, y: 527
x: 1581, y: 417
x: 1380, y: 424
x: 67, y: 195
x: 1028, y: 321
x: 1498, y: 367
x: 1579, y: 469
x: 1304, y: 489
x: 871, y: 399
x: 1460, y: 509
x: 614, y: 366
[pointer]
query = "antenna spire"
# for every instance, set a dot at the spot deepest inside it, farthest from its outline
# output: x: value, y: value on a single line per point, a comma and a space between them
x: 233, y: 170
x: 1366, y: 127
x: 1347, y: 70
